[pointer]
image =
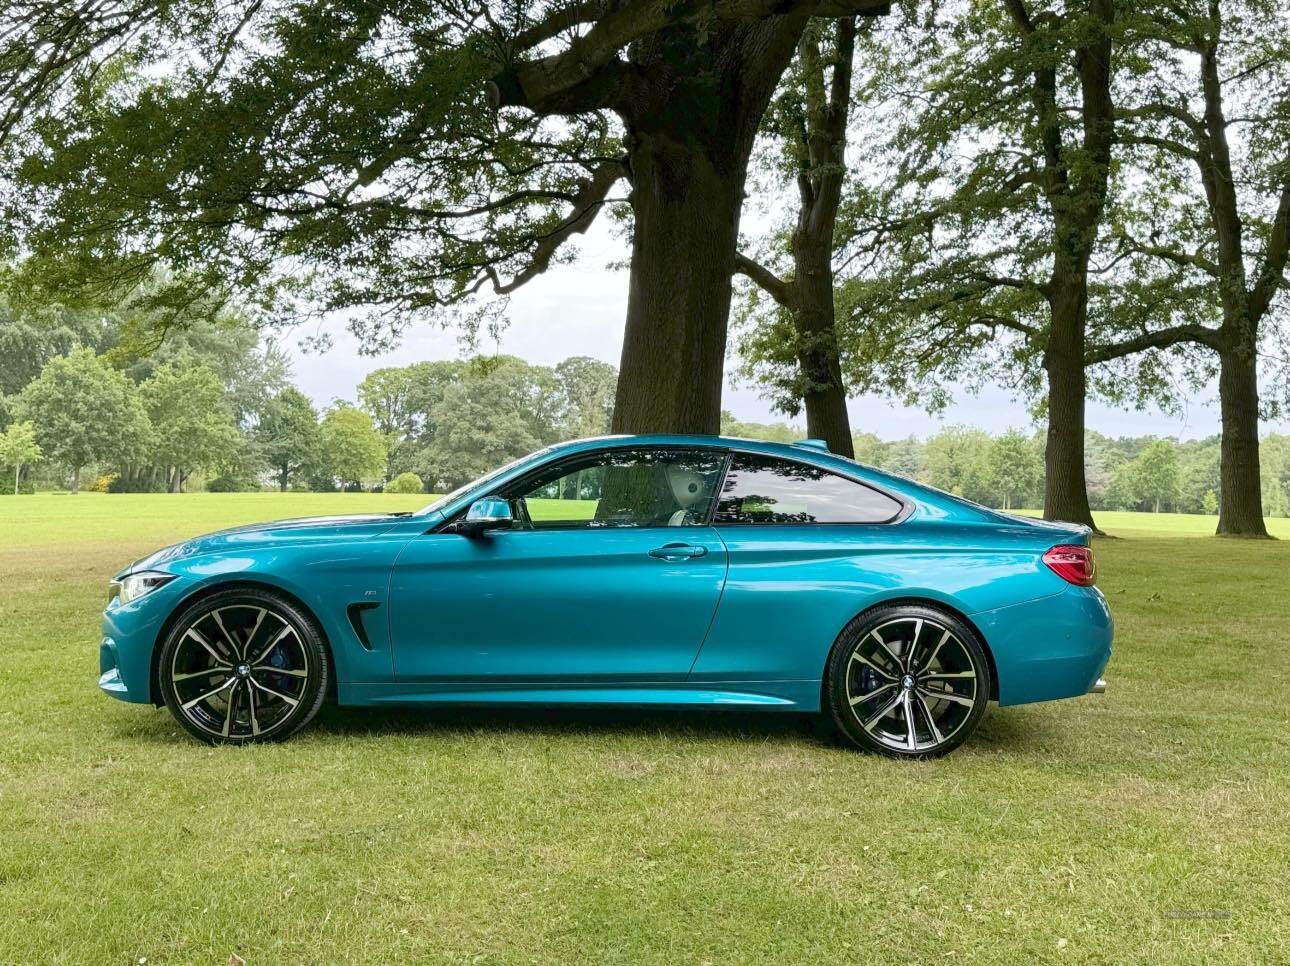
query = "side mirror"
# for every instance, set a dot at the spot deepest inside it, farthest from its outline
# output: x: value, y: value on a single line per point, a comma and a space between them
x: 489, y: 513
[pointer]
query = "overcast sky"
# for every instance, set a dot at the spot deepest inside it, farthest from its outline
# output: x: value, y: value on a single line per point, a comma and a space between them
x: 579, y: 309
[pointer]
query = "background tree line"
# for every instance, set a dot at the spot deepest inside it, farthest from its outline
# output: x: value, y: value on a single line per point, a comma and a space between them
x: 1067, y: 197
x: 83, y: 401
x: 1006, y: 471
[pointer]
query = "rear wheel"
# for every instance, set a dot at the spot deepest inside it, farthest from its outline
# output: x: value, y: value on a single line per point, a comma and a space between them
x: 907, y: 681
x: 243, y: 666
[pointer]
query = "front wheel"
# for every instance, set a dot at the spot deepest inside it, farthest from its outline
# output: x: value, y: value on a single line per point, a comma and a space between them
x: 907, y: 681
x: 243, y: 666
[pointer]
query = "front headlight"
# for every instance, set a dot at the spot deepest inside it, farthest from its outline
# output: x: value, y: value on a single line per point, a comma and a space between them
x: 133, y: 586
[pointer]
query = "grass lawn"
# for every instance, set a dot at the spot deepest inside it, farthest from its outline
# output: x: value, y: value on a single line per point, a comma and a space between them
x: 1100, y: 829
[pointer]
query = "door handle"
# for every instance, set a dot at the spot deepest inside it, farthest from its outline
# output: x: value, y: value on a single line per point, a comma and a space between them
x: 678, y: 551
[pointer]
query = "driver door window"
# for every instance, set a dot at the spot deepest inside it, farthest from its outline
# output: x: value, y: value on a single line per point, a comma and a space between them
x: 623, y: 488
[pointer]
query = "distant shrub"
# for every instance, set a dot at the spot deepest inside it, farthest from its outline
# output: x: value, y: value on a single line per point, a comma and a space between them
x: 405, y: 483
x: 104, y: 483
x: 231, y: 483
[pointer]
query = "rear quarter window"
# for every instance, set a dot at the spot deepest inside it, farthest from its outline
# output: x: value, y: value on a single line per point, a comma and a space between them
x: 770, y: 490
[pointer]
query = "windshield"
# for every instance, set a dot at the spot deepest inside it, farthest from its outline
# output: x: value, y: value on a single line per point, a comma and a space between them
x: 444, y: 501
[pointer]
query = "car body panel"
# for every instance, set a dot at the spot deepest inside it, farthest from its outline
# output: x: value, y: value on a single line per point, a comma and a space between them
x: 569, y: 605
x: 587, y: 616
x: 815, y: 579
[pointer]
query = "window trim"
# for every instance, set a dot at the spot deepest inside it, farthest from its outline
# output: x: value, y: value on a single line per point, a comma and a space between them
x: 904, y: 513
x: 525, y: 479
x: 730, y: 452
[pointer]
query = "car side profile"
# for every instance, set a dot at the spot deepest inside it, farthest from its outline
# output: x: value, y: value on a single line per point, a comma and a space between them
x: 631, y: 570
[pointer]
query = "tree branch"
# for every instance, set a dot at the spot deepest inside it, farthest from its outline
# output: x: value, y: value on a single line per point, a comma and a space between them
x: 781, y: 291
x: 1160, y: 339
x: 586, y: 205
x: 540, y: 84
x: 1272, y: 272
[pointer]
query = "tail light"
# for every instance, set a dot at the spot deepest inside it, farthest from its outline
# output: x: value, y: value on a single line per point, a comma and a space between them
x: 1072, y: 563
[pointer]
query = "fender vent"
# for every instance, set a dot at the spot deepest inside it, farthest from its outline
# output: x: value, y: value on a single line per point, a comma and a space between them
x: 355, y: 612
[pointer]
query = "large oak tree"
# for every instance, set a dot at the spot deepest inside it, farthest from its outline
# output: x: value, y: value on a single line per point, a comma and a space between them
x: 1210, y: 126
x: 304, y: 158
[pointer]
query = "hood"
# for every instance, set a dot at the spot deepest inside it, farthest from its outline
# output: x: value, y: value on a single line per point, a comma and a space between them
x: 276, y: 532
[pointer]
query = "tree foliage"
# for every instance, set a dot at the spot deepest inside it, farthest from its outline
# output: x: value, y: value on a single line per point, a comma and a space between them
x: 85, y: 412
x: 287, y: 436
x: 18, y: 447
x: 192, y: 426
x: 353, y: 451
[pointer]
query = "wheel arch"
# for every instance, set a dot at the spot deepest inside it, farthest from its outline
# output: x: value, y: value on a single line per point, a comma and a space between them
x: 934, y: 604
x: 219, y: 587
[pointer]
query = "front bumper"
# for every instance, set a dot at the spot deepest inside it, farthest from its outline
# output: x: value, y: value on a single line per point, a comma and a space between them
x: 110, y: 682
x: 130, y: 632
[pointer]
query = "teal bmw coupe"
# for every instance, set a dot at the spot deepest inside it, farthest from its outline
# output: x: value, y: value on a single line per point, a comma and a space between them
x: 630, y: 570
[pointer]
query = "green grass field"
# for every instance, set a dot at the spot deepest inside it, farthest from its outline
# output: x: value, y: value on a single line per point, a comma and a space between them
x: 1145, y: 825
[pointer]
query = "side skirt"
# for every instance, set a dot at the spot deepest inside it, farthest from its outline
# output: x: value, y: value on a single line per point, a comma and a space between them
x: 770, y: 695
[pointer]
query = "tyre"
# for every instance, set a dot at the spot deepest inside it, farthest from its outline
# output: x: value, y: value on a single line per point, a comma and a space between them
x: 907, y: 681
x: 243, y: 666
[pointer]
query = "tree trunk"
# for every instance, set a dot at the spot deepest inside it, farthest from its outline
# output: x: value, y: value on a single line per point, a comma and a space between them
x: 1065, y: 491
x: 695, y: 100
x: 821, y: 169
x: 683, y: 255
x: 17, y: 471
x: 823, y: 394
x: 76, y: 479
x: 1240, y: 497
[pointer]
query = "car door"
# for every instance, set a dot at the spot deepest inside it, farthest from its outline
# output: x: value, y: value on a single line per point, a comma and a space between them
x: 610, y: 572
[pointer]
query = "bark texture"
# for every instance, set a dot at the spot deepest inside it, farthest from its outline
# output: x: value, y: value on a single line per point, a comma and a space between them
x: 698, y: 100
x: 1076, y: 198
x: 1240, y: 498
x: 690, y: 84
x: 1065, y: 489
x: 819, y: 153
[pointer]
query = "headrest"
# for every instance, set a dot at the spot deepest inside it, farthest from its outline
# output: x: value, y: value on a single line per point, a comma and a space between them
x: 687, y: 485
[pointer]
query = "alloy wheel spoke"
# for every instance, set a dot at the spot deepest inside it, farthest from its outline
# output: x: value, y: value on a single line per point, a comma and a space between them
x: 857, y: 656
x: 281, y: 635
x: 913, y: 647
x: 911, y: 738
x: 228, y: 711
x: 228, y: 638
x: 199, y: 674
x: 882, y: 713
x: 937, y: 649
x: 948, y: 676
x: 196, y: 635
x: 886, y: 650
x: 255, y: 722
x: 872, y: 694
x: 209, y: 694
x: 289, y: 671
x: 261, y: 613
x: 277, y: 694
x: 931, y: 722
x: 947, y: 696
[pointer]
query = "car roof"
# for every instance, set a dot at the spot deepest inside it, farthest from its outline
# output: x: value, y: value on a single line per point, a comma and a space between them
x: 933, y: 502
x: 813, y: 451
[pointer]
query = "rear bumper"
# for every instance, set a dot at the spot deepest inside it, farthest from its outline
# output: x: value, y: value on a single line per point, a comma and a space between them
x: 1053, y: 647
